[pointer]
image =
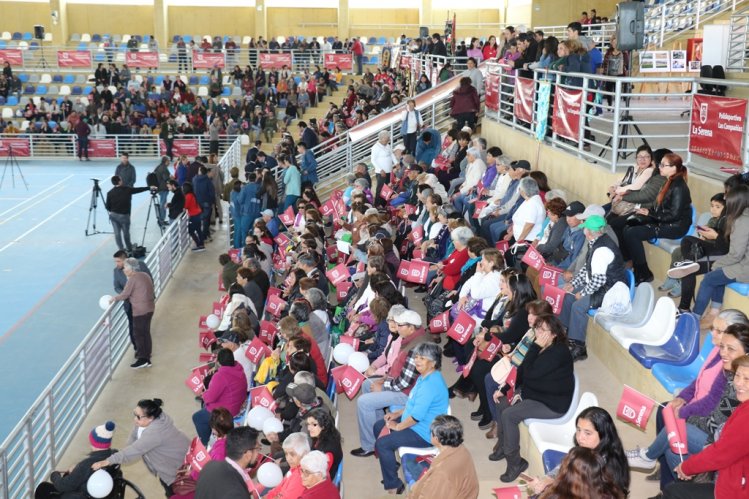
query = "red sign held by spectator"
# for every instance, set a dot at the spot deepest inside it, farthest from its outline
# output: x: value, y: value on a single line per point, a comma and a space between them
x: 549, y: 275
x: 197, y: 455
x: 634, y: 407
x: 491, y: 350
x: 207, y: 338
x: 533, y: 258
x: 342, y: 290
x: 386, y: 192
x: 717, y: 128
x: 348, y: 379
x: 555, y: 297
x: 566, y: 117
x: 338, y: 274
x: 287, y: 217
x: 462, y: 328
x: 262, y: 397
x: 440, y: 323
x: 268, y: 332
x: 256, y: 350
x: 417, y: 234
x: 350, y: 340
x: 274, y: 305
x: 502, y: 246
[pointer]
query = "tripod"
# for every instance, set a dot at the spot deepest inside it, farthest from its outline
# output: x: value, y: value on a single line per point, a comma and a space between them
x: 42, y: 60
x: 13, y: 163
x: 95, y: 196
x: 156, y: 207
x: 625, y: 121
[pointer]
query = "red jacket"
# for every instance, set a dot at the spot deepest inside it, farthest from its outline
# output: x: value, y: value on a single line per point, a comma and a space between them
x: 729, y: 456
x: 464, y: 100
x: 192, y: 206
x: 323, y: 490
x: 316, y: 356
x: 451, y: 270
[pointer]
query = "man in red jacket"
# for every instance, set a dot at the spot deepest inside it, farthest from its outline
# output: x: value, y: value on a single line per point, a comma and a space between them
x: 358, y: 50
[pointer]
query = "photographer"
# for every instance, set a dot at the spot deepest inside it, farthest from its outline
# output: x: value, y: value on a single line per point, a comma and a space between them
x: 119, y: 204
x: 177, y: 204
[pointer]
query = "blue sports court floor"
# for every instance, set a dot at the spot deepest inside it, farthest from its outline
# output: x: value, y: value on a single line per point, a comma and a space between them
x: 51, y: 274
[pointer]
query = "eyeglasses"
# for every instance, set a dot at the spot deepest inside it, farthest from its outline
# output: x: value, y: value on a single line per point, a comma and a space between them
x: 664, y: 165
x: 643, y: 156
x: 138, y: 416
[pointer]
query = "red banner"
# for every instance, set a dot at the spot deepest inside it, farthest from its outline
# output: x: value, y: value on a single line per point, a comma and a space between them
x: 282, y: 240
x: 676, y: 430
x: 338, y: 274
x: 73, y: 58
x: 287, y: 217
x: 491, y: 92
x: 207, y: 60
x: 549, y: 275
x: 533, y: 258
x: 634, y: 407
x: 274, y: 61
x: 195, y: 383
x: 21, y: 147
x: 274, y: 304
x: 343, y: 61
x: 206, y: 339
x: 262, y: 397
x: 566, y: 119
x: 462, y: 328
x: 555, y: 297
x: 717, y: 128
x: 268, y: 331
x: 491, y: 350
x: 328, y: 208
x: 142, y: 59
x: 348, y: 379
x: 524, y: 93
x: 101, y: 148
x: 440, y: 323
x: 188, y: 147
x: 469, y: 365
x: 477, y: 207
x: 12, y: 56
x: 405, y: 62
x: 256, y: 350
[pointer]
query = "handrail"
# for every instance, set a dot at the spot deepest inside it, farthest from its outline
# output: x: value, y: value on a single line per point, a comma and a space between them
x: 27, y: 455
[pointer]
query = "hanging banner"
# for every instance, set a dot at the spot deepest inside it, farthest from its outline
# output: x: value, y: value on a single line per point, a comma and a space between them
x: 74, y: 58
x: 274, y: 61
x: 343, y: 61
x: 188, y: 147
x: 405, y: 61
x: 491, y: 92
x: 524, y: 92
x: 208, y: 60
x: 101, y: 148
x: 12, y: 56
x: 566, y: 119
x: 20, y: 147
x: 717, y: 128
x: 542, y: 109
x: 142, y: 59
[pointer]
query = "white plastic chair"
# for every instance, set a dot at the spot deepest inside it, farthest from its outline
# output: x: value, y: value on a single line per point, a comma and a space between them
x: 7, y: 113
x: 642, y: 308
x: 45, y: 78
x: 48, y: 37
x: 421, y: 451
x: 86, y: 37
x: 65, y: 90
x: 548, y: 436
x: 6, y: 36
x: 203, y: 92
x: 570, y: 412
x: 245, y: 141
x: 656, y: 331
x: 25, y: 125
x: 245, y: 40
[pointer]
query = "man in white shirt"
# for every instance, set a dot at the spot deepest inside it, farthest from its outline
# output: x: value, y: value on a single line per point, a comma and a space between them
x: 383, y: 159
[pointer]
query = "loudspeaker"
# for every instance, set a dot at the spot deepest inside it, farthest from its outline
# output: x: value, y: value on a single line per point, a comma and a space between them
x: 630, y: 25
x: 424, y: 32
x: 39, y: 32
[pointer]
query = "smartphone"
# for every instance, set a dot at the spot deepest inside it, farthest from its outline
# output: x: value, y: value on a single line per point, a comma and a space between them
x: 699, y: 227
x: 525, y: 477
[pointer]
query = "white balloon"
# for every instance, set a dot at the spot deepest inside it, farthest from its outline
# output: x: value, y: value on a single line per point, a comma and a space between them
x: 104, y: 301
x: 272, y: 425
x: 100, y: 484
x: 341, y: 353
x: 359, y: 361
x: 212, y: 321
x: 269, y: 475
x: 257, y: 416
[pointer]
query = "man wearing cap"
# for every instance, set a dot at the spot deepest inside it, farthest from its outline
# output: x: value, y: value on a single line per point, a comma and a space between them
x: 579, y: 262
x: 603, y: 268
x: 573, y: 238
x: 500, y: 211
x: 410, y: 187
x: 390, y: 378
x: 271, y: 222
x: 305, y: 397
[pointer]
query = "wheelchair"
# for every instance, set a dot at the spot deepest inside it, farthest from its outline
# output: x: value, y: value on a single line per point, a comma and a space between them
x: 120, y: 485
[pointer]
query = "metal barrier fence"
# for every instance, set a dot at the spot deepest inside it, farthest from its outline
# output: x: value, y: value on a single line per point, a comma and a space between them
x: 36, y: 444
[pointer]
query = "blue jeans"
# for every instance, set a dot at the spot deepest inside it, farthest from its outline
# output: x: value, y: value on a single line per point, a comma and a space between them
x: 370, y: 407
x: 696, y: 440
x: 162, y: 205
x: 202, y: 419
x: 289, y: 200
x: 713, y: 288
x: 386, y: 448
x: 205, y: 219
x: 400, y: 199
x: 461, y: 203
x: 495, y: 231
x: 575, y: 316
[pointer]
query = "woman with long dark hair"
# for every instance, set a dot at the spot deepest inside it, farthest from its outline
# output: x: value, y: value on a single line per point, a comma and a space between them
x: 194, y: 213
x: 325, y: 437
x: 669, y: 219
x: 583, y: 474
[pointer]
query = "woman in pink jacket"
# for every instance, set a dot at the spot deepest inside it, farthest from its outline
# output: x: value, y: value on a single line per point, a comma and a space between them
x: 227, y: 388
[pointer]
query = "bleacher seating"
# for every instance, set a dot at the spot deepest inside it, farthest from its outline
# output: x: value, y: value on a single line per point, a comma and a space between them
x: 656, y: 331
x: 643, y: 303
x: 674, y: 377
x: 680, y: 349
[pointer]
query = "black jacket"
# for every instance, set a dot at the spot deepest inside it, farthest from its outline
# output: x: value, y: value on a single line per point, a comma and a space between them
x: 73, y: 484
x: 119, y: 199
x: 219, y: 480
x: 177, y: 204
x: 547, y: 376
x: 676, y: 208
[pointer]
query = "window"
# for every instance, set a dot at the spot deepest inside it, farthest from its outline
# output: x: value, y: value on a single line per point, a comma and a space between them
x: 384, y: 4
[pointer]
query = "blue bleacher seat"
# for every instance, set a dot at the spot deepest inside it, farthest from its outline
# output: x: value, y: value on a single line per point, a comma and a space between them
x: 68, y: 79
x: 17, y: 36
x: 28, y: 89
x: 372, y: 40
x: 741, y: 288
x: 338, y: 475
x: 205, y: 80
x: 3, y: 44
x: 34, y: 46
x: 23, y: 77
x: 28, y: 36
x: 382, y: 41
x: 83, y: 46
x: 193, y: 80
x: 59, y: 100
x: 146, y: 38
x: 12, y: 100
x: 76, y: 90
x: 681, y: 349
x: 99, y: 57
x: 674, y: 378
x: 175, y: 38
x: 52, y: 123
x: 187, y: 38
x: 2, y: 100
x: 88, y: 89
x: 552, y: 459
x: 172, y: 57
x: 41, y: 90
x: 96, y: 37
x: 226, y: 92
x: 57, y: 79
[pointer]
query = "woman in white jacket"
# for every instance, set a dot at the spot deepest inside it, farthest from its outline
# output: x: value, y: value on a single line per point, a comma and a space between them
x: 475, y: 170
x: 238, y: 299
x: 479, y: 292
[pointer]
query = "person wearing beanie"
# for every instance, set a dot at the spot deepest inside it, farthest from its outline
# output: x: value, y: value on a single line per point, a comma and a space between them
x: 72, y: 483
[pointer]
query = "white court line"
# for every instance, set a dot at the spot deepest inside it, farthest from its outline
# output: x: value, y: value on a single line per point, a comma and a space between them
x: 27, y: 208
x: 87, y: 193
x: 38, y: 194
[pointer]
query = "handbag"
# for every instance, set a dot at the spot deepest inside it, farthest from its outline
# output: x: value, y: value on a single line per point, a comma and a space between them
x: 184, y: 484
x: 636, y: 220
x: 621, y: 207
x: 501, y: 370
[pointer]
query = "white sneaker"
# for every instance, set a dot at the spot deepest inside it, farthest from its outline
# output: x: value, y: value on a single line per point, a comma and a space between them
x: 638, y: 459
x: 683, y: 269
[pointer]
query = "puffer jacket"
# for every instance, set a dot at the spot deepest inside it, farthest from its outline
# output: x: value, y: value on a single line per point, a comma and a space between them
x: 464, y: 100
x: 228, y: 389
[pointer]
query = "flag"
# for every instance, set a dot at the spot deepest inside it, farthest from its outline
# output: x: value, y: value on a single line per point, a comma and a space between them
x: 555, y: 297
x: 218, y: 310
x: 469, y: 365
x: 195, y: 383
x: 197, y: 455
x: 676, y: 430
x: 268, y: 332
x: 462, y: 328
x: 332, y: 253
x: 262, y: 397
x: 287, y: 217
x: 549, y: 276
x: 386, y: 192
x: 634, y: 407
x: 206, y: 357
x: 256, y: 350
x: 348, y: 379
x: 206, y: 339
x: 404, y: 270
x: 440, y: 323
x: 491, y: 350
x: 502, y: 246
x: 201, y: 322
x: 508, y: 492
x: 328, y: 208
x: 282, y: 240
x: 221, y: 283
x: 350, y: 340
x: 417, y: 234
x: 338, y: 274
x: 533, y: 258
x: 273, y: 305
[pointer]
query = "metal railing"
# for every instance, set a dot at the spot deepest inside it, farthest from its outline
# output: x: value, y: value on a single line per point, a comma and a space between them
x: 601, y: 33
x: 672, y: 18
x: 36, y: 444
x: 738, y: 42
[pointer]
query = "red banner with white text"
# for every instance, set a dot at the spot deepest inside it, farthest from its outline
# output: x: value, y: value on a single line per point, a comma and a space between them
x: 525, y: 90
x: 566, y: 118
x: 142, y: 59
x: 21, y: 147
x: 491, y: 92
x: 274, y: 61
x: 12, y: 56
x: 405, y: 62
x: 73, y: 58
x: 188, y: 147
x: 101, y: 148
x: 717, y: 128
x: 343, y: 61
x: 207, y: 60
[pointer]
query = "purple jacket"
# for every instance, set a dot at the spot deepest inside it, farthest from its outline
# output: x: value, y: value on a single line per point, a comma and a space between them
x: 704, y: 406
x: 228, y: 389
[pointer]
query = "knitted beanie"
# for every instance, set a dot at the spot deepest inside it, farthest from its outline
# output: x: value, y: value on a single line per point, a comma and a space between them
x: 101, y: 436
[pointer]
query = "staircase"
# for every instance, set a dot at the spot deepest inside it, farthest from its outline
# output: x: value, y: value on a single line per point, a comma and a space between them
x: 738, y: 42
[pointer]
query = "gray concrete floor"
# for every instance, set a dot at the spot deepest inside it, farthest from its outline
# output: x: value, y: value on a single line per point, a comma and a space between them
x: 176, y: 350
